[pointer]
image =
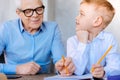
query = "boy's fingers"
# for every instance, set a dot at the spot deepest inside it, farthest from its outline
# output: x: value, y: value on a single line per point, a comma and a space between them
x: 68, y: 61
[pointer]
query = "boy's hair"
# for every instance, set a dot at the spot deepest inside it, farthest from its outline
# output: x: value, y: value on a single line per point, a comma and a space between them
x: 104, y: 8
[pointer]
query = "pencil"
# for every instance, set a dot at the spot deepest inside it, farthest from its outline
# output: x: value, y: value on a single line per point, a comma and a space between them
x: 100, y: 60
x: 67, y: 72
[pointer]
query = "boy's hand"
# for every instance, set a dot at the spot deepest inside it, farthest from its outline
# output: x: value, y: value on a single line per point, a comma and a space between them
x: 28, y: 68
x: 98, y: 71
x: 82, y: 35
x: 60, y: 66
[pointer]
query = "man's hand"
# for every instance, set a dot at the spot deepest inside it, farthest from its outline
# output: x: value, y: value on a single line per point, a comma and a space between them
x: 82, y: 35
x: 60, y: 66
x: 98, y: 71
x: 28, y: 68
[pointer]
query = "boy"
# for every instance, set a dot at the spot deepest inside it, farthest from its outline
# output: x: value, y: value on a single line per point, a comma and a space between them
x: 91, y: 42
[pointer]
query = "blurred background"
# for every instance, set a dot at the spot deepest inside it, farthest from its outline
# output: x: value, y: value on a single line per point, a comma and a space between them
x: 64, y: 13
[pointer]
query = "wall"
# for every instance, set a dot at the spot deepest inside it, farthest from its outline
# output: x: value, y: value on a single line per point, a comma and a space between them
x: 115, y: 24
x: 65, y: 13
x: 7, y: 10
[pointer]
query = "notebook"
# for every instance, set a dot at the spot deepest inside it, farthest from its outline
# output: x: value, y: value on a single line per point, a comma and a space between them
x: 73, y: 77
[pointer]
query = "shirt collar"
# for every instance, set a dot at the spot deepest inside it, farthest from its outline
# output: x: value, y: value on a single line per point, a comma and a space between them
x: 100, y: 35
x: 42, y: 28
x: 22, y: 28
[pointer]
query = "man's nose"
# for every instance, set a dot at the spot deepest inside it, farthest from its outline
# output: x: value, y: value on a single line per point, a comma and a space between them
x: 35, y: 14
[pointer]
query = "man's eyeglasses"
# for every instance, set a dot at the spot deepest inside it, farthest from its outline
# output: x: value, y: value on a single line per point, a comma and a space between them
x: 29, y: 12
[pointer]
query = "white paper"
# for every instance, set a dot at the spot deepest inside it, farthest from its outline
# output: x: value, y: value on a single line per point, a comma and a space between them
x: 73, y: 77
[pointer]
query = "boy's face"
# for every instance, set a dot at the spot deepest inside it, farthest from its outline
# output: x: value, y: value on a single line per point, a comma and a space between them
x: 86, y: 17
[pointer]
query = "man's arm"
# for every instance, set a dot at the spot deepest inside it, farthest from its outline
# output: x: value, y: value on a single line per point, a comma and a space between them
x: 5, y: 68
x: 57, y: 48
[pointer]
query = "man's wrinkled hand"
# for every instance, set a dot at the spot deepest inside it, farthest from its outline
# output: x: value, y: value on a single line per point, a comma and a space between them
x: 28, y: 68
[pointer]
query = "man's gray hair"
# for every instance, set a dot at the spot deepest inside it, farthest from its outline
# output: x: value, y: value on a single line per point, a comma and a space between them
x: 18, y: 3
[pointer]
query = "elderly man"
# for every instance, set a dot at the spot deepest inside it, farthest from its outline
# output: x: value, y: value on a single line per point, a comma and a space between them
x: 29, y: 43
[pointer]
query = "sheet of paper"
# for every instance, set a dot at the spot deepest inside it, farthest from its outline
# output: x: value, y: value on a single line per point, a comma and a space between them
x: 73, y: 77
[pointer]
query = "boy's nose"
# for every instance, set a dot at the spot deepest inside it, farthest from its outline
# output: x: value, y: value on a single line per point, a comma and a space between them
x: 77, y: 19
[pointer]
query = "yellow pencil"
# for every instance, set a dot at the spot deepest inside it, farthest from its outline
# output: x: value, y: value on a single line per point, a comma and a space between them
x: 67, y: 72
x: 100, y: 60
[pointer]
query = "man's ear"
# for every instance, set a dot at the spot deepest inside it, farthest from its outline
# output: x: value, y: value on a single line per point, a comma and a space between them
x: 98, y: 21
x: 17, y: 12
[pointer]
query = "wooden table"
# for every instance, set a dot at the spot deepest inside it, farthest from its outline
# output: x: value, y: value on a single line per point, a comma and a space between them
x: 33, y: 77
x: 38, y: 77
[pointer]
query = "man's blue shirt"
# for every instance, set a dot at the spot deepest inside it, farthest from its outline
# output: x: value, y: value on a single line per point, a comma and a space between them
x: 21, y: 47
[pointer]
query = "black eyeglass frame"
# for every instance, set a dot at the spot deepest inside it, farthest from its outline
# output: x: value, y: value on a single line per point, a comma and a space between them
x: 43, y: 7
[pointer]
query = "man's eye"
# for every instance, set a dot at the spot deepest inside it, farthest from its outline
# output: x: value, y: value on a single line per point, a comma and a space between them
x: 39, y: 9
x: 28, y: 11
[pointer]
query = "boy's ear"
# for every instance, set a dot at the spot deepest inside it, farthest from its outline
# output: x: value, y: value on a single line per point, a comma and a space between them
x: 98, y: 21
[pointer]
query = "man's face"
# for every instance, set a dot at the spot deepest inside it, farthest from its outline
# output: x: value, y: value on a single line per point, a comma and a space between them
x: 85, y: 19
x: 34, y: 21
